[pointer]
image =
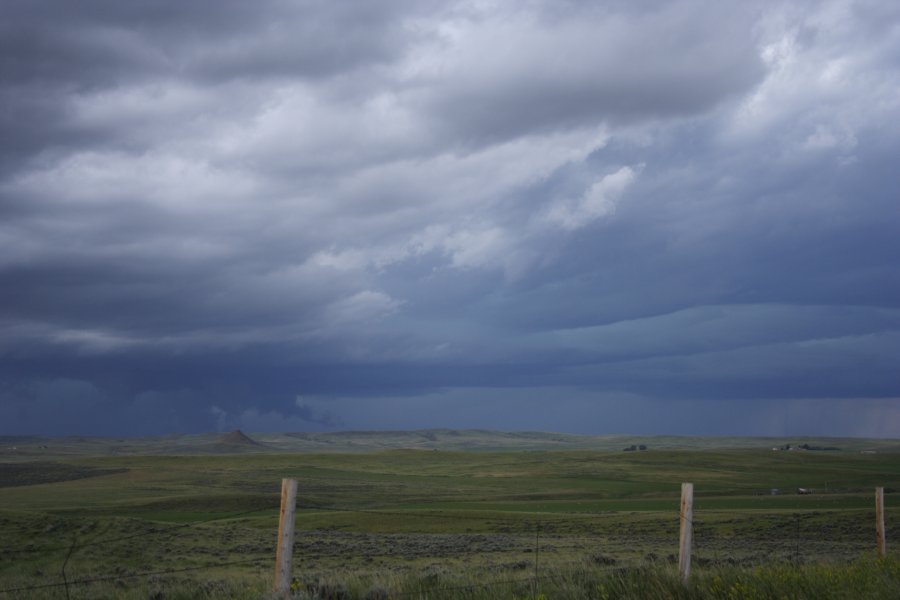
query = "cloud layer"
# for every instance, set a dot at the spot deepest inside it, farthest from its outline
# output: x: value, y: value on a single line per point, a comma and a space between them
x: 413, y: 205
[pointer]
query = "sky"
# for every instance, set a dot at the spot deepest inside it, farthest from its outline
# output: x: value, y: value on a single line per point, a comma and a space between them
x: 651, y: 217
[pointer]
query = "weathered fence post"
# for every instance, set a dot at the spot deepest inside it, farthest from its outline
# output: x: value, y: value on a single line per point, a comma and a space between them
x: 285, y: 549
x: 687, y: 525
x: 879, y: 522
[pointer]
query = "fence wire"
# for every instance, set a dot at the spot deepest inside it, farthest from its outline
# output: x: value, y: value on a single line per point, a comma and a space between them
x: 543, y: 541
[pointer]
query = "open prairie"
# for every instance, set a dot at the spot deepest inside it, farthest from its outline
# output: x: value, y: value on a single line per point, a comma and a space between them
x: 127, y: 517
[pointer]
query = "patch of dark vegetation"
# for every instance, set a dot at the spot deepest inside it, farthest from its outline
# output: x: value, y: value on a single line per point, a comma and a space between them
x: 377, y: 593
x: 36, y: 473
x: 224, y: 503
x: 325, y: 590
x: 604, y: 560
x: 334, y: 542
x: 821, y: 448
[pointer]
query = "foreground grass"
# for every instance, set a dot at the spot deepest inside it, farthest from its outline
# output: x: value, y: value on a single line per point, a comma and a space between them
x: 864, y: 579
x: 414, y: 524
x: 861, y: 579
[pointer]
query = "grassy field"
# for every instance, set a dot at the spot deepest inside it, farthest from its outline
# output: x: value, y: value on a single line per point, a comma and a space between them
x: 407, y: 520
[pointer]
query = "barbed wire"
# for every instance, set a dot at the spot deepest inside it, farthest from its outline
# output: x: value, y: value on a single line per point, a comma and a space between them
x: 431, y: 590
x: 528, y: 522
x: 418, y: 513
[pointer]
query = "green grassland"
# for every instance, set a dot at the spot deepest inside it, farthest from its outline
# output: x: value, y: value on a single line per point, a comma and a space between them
x: 438, y: 510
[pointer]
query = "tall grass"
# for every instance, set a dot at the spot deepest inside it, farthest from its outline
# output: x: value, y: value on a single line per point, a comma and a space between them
x: 860, y: 579
x: 867, y: 578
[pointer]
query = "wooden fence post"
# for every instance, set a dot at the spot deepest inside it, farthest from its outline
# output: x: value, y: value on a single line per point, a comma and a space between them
x: 687, y: 525
x: 879, y: 522
x: 285, y: 549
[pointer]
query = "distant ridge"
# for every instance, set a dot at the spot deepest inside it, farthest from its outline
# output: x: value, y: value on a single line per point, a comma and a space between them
x: 238, y: 438
x: 457, y: 440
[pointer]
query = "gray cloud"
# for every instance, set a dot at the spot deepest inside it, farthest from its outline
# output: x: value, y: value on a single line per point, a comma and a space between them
x: 415, y: 206
x: 502, y: 74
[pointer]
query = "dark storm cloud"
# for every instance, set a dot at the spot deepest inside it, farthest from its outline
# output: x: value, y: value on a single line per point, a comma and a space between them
x: 59, y: 56
x: 315, y: 215
x: 100, y: 43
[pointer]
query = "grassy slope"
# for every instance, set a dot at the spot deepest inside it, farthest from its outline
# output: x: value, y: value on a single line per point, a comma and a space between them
x: 540, y: 481
x: 405, y: 510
